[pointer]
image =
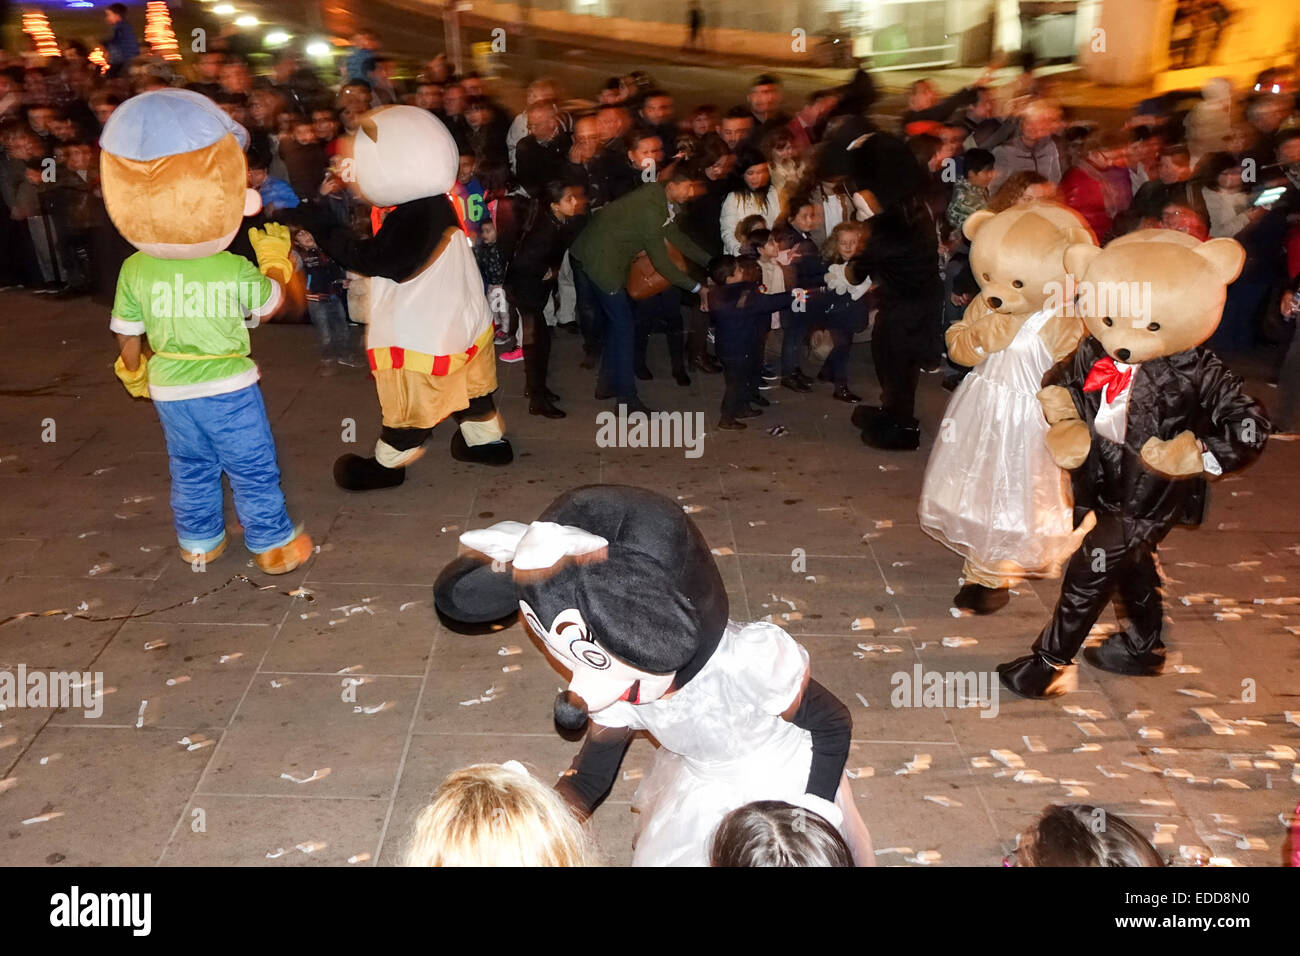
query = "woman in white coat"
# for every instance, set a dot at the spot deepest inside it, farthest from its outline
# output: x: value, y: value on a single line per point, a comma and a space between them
x: 753, y: 195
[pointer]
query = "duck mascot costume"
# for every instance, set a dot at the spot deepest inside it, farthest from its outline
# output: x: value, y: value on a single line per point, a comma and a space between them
x: 175, y: 184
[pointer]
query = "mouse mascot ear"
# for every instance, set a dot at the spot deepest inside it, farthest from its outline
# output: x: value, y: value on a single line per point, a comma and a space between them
x: 479, y: 588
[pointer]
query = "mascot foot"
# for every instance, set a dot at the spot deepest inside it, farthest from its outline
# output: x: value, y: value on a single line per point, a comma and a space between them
x: 1113, y: 655
x: 889, y: 434
x: 865, y: 416
x: 284, y: 559
x: 354, y: 473
x: 1033, y: 677
x: 981, y: 600
x: 493, y: 453
x: 201, y: 558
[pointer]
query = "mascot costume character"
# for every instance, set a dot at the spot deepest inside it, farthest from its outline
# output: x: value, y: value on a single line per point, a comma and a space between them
x: 621, y: 589
x: 429, y: 335
x: 175, y: 184
x: 992, y: 492
x: 1140, y: 415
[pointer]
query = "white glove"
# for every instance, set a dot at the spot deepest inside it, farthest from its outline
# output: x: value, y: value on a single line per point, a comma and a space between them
x: 823, y: 808
x: 836, y: 280
x: 860, y: 204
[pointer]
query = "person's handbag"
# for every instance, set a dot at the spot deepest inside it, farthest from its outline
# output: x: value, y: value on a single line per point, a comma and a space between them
x: 644, y: 280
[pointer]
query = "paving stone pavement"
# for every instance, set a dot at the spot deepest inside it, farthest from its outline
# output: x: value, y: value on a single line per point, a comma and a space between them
x: 213, y: 710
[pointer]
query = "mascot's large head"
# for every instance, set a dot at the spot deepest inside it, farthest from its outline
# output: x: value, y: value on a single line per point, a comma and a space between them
x: 402, y: 153
x: 617, y: 582
x: 1017, y: 255
x: 174, y: 176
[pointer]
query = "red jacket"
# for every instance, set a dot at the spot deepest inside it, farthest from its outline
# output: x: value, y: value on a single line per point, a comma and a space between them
x: 1081, y: 190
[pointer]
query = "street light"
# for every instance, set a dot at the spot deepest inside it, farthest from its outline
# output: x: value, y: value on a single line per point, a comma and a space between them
x: 223, y: 9
x: 318, y: 49
x: 277, y: 38
x: 246, y: 21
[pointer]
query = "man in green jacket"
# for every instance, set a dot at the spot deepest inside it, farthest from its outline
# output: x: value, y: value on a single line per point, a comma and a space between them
x: 603, y: 253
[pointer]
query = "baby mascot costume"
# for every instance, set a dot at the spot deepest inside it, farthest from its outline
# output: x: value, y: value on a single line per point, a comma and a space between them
x: 429, y: 336
x: 992, y: 492
x: 1141, y: 415
x: 176, y: 186
x: 622, y: 591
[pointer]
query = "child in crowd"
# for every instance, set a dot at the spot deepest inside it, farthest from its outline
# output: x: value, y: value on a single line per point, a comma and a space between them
x: 492, y: 267
x: 971, y: 193
x: 740, y: 312
x: 498, y: 815
x: 775, y: 833
x: 326, y: 284
x: 845, y: 314
x: 276, y: 193
x: 304, y: 158
x: 1079, y: 835
x: 745, y: 235
x: 468, y: 196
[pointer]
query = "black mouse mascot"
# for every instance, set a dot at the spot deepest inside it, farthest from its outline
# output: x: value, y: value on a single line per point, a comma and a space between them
x: 622, y: 590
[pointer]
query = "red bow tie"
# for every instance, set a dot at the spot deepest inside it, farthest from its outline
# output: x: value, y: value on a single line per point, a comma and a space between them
x: 1104, y: 374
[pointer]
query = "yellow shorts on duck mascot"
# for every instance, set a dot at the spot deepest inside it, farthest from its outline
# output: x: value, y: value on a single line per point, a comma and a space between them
x: 429, y: 337
x: 175, y: 184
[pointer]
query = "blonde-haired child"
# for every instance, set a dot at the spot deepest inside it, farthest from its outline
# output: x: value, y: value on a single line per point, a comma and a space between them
x: 498, y: 815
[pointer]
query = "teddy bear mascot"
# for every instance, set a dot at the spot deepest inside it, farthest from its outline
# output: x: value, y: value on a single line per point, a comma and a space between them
x: 992, y: 492
x: 175, y: 184
x: 1141, y: 415
x: 622, y: 591
x: 429, y: 336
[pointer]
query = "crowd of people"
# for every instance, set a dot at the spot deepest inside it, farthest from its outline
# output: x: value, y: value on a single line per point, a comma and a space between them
x: 616, y: 218
x: 742, y: 232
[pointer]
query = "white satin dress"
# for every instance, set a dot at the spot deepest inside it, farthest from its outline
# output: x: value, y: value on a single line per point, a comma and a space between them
x: 991, y: 491
x: 723, y: 744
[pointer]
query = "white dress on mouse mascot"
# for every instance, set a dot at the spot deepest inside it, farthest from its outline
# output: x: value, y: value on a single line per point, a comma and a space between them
x: 991, y: 491
x: 723, y: 744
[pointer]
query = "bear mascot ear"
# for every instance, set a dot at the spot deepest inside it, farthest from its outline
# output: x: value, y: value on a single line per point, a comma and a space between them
x: 1079, y: 256
x: 1225, y: 256
x: 975, y: 221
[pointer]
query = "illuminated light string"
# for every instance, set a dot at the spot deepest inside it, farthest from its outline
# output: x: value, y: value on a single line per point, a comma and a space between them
x: 97, y: 57
x: 158, y: 32
x: 37, y: 26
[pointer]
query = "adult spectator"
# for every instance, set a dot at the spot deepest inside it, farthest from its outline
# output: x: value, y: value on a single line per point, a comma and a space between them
x: 806, y: 127
x: 1089, y: 191
x: 752, y: 195
x: 1033, y: 148
x: 737, y: 127
x: 642, y: 221
x: 765, y: 99
x: 656, y: 116
x: 542, y: 155
x: 120, y: 46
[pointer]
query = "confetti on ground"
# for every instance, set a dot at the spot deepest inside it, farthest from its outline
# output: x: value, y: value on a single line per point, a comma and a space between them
x: 374, y: 709
x: 511, y: 668
x: 722, y: 552
x: 1088, y: 728
x: 955, y: 612
x: 227, y: 658
x: 43, y: 818
x: 1032, y: 776
x: 1111, y: 774
x: 8, y: 783
x: 1076, y: 711
x: 195, y: 742
x: 863, y: 624
x: 636, y: 773
x: 182, y: 679
x: 861, y: 773
x: 1034, y: 744
x: 1194, y: 692
x: 925, y: 857
x: 1142, y: 766
x: 359, y: 858
x: 320, y: 774
x: 880, y: 648
x: 1087, y: 748
x: 886, y: 523
x: 46, y: 761
x: 1151, y: 733
x: 918, y: 763
x: 757, y: 524
x: 154, y: 645
x: 139, y: 718
x: 692, y: 509
x: 942, y: 801
x: 958, y: 641
x: 487, y: 695
x: 1008, y: 758
x: 1232, y: 783
x: 277, y: 683
x: 862, y: 700
x: 982, y: 763
x: 1278, y: 601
